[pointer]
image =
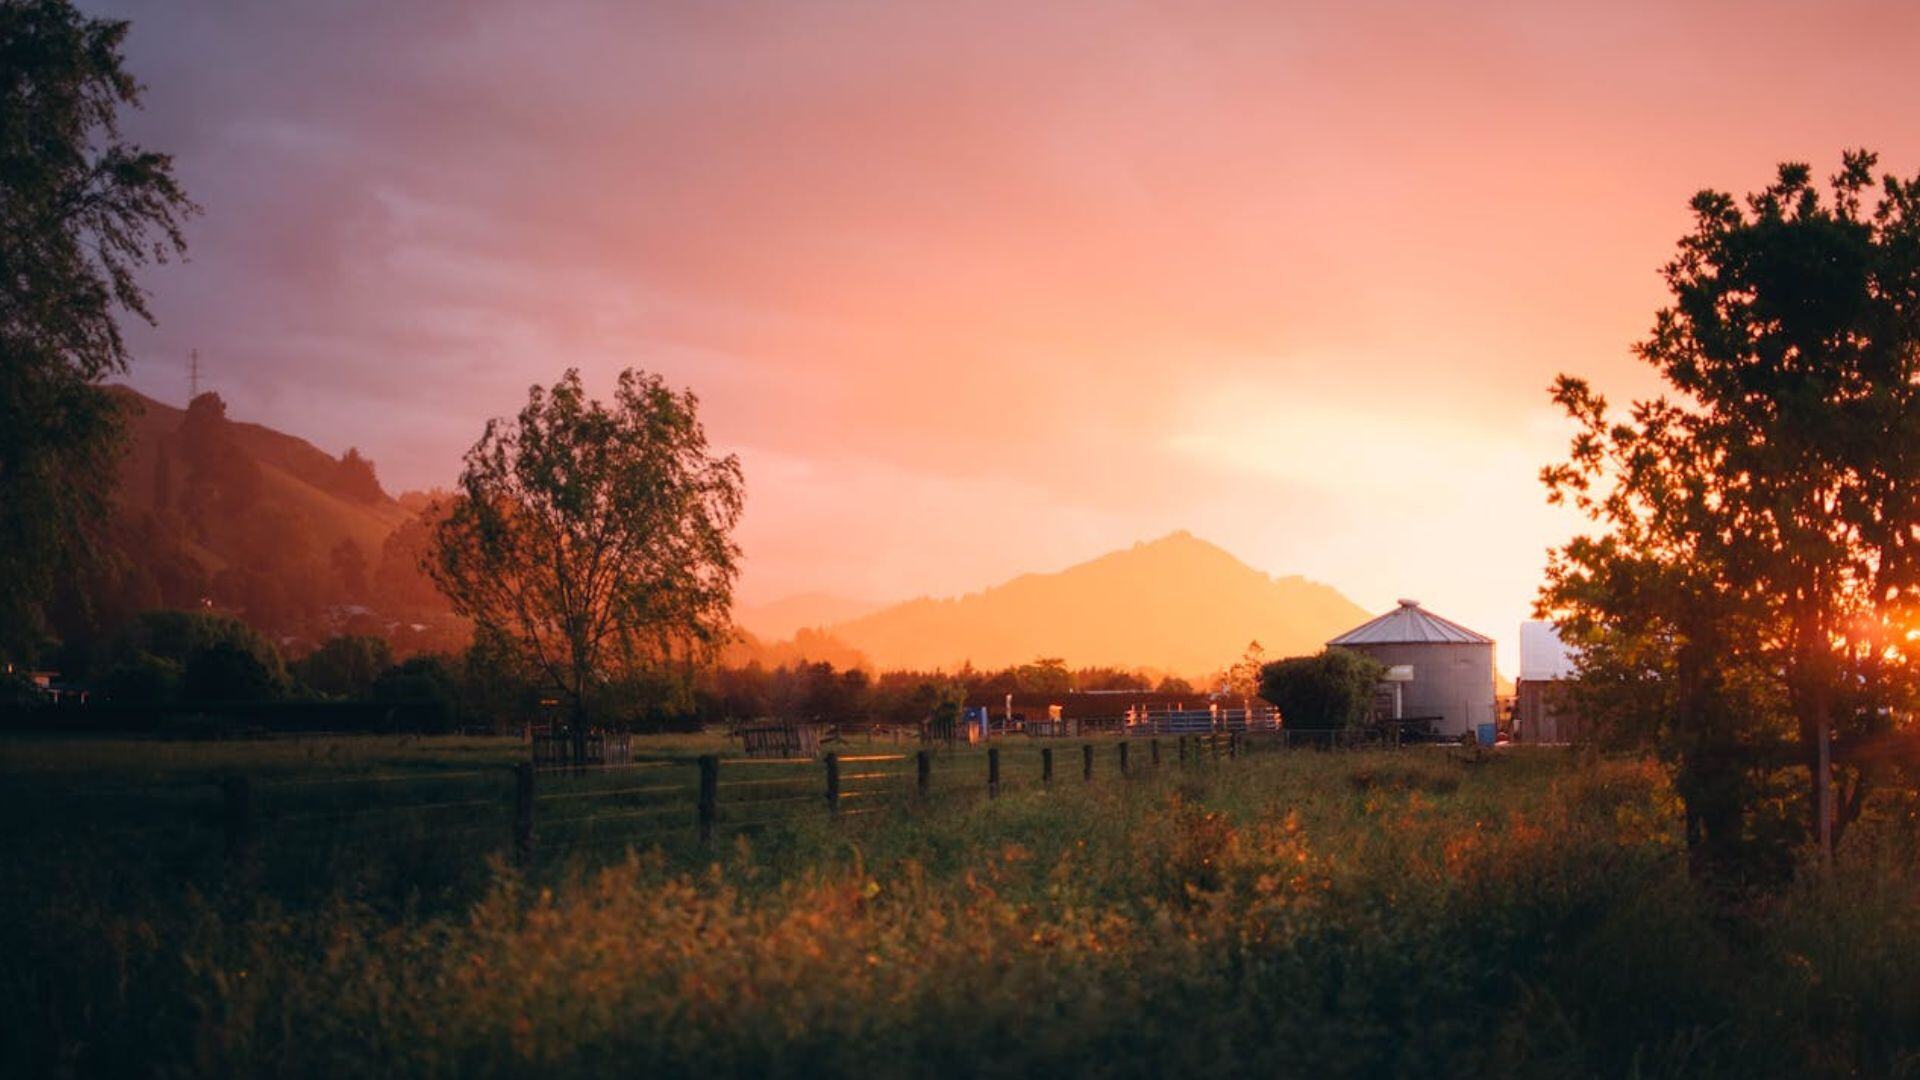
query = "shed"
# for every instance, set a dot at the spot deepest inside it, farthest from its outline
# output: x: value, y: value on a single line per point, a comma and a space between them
x: 1546, y: 711
x: 1446, y: 671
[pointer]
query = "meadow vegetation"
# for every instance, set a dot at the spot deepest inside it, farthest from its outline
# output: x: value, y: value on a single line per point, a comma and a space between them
x: 1399, y: 913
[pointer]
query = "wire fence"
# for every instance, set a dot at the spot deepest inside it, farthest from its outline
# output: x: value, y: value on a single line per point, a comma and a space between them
x: 532, y: 813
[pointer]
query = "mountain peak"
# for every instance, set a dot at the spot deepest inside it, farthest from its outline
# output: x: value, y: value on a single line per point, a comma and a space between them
x: 1177, y: 603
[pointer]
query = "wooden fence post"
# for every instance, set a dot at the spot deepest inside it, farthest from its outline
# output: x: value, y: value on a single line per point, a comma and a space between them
x: 1183, y: 749
x: 993, y: 771
x: 1086, y: 761
x: 923, y: 773
x: 1233, y: 745
x: 237, y: 795
x: 1153, y: 752
x: 523, y: 813
x: 1123, y: 757
x: 833, y: 782
x: 1046, y: 764
x: 709, y: 795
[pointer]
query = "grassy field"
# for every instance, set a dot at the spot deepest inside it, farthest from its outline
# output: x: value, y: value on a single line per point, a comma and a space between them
x: 1387, y: 913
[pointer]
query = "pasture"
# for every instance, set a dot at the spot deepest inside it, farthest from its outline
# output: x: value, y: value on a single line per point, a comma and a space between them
x: 1403, y: 912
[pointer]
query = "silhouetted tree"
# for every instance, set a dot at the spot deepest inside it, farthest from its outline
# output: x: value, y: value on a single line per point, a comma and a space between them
x: 597, y: 539
x: 429, y: 685
x: 80, y: 211
x: 1329, y: 691
x: 179, y: 636
x: 1046, y: 675
x: 345, y: 666
x: 354, y: 478
x: 223, y: 480
x: 349, y: 565
x: 1243, y: 677
x: 226, y: 671
x: 1755, y: 568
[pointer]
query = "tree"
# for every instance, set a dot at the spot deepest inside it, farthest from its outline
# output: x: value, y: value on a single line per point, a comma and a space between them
x: 428, y: 685
x: 349, y: 565
x: 180, y: 636
x: 345, y: 666
x: 80, y: 211
x: 354, y: 478
x: 1329, y: 691
x: 1755, y: 564
x: 1243, y: 678
x: 1046, y: 675
x: 597, y: 539
x: 226, y: 671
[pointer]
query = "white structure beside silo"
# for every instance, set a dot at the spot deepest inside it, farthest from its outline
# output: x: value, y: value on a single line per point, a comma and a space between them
x: 1443, y: 671
x: 1543, y: 656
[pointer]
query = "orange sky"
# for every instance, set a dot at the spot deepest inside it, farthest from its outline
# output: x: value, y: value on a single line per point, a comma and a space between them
x: 987, y: 287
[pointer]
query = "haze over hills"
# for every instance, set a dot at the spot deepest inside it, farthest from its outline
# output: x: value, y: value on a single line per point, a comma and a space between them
x: 252, y: 520
x: 1177, y: 604
x: 787, y: 616
x: 214, y: 512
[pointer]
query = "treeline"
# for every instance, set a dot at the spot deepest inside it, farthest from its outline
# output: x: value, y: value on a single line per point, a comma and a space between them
x: 185, y: 664
x: 190, y: 665
x: 819, y: 691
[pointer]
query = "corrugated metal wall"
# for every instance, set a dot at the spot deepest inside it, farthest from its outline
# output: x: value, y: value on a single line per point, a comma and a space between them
x: 1450, y: 680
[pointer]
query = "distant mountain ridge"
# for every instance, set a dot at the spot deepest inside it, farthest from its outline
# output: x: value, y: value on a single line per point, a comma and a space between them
x: 1177, y: 604
x: 787, y: 616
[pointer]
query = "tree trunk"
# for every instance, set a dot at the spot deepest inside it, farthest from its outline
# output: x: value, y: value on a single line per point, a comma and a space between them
x: 579, y: 725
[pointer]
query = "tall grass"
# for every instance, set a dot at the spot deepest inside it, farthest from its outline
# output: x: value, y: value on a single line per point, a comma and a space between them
x: 1285, y: 914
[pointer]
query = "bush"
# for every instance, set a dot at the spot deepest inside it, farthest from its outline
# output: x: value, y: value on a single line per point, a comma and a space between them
x: 143, y: 679
x: 346, y: 666
x: 225, y: 671
x: 1327, y: 692
x: 180, y: 636
x: 429, y: 685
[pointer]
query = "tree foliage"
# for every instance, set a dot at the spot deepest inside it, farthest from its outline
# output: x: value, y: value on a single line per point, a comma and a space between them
x: 1328, y: 691
x: 80, y: 212
x: 1754, y: 567
x: 597, y: 539
x: 345, y: 666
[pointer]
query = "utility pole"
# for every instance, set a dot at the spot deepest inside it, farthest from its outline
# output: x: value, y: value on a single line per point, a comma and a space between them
x: 193, y: 375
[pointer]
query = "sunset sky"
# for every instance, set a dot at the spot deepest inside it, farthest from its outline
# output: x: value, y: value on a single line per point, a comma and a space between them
x: 981, y: 288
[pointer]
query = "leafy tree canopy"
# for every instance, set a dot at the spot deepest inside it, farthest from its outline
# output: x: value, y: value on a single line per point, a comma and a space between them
x: 1328, y: 691
x: 1754, y: 563
x: 596, y: 538
x: 180, y: 636
x: 80, y: 212
x: 345, y: 666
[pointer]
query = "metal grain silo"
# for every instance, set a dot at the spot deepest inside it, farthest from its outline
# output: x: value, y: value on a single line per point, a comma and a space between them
x: 1451, y: 681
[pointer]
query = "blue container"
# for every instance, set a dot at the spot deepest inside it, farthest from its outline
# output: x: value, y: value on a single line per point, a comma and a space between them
x: 1486, y: 734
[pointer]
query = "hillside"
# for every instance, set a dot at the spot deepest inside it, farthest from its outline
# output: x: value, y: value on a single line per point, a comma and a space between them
x: 789, y: 615
x: 1177, y: 604
x: 294, y: 475
x: 214, y: 512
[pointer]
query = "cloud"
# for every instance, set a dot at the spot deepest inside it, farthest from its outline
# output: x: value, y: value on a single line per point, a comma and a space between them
x: 967, y: 257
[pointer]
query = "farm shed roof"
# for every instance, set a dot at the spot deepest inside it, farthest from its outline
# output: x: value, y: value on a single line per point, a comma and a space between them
x: 1410, y: 623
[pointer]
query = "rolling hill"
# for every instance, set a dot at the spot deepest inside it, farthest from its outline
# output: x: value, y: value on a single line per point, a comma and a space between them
x: 210, y: 512
x: 787, y: 616
x: 1177, y: 604
x: 294, y: 476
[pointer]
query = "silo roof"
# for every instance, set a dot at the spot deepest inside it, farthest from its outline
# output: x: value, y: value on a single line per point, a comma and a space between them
x: 1407, y: 624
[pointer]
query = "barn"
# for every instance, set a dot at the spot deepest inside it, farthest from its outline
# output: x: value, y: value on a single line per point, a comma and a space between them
x: 1443, y: 671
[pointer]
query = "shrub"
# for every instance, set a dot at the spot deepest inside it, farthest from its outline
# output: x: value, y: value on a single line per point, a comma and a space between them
x: 346, y: 666
x: 1325, y: 692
